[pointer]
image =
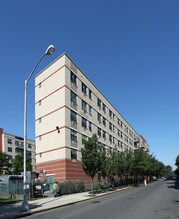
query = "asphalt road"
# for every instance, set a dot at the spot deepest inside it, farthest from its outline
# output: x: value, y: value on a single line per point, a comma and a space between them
x: 158, y: 200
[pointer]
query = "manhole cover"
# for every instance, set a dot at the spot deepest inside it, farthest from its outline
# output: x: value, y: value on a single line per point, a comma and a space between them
x: 94, y: 202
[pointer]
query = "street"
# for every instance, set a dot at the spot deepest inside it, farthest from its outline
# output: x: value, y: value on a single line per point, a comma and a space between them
x: 158, y: 200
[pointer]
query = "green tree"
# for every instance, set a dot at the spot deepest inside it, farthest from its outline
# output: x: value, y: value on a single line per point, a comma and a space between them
x: 160, y: 169
x: 140, y: 163
x: 157, y: 168
x: 92, y: 157
x: 167, y: 171
x: 104, y: 159
x: 18, y: 164
x: 5, y: 165
x: 129, y: 163
x: 121, y: 164
x: 116, y: 164
x: 111, y: 166
x: 177, y: 161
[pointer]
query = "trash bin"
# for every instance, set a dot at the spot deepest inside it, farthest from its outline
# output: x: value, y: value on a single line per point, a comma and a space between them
x: 38, y: 190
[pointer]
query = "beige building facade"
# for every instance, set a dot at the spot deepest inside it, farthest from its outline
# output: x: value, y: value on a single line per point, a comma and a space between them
x: 69, y: 109
x: 13, y: 145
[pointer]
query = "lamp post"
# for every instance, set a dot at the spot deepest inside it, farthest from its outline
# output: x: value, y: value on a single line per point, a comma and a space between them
x: 25, y: 206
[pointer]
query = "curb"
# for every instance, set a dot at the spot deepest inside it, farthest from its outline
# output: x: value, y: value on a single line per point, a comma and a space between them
x: 63, y: 205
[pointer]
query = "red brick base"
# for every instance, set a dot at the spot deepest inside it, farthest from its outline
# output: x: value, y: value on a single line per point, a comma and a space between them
x: 63, y: 170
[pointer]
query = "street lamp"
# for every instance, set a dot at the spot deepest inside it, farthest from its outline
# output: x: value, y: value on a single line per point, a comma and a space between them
x: 25, y: 206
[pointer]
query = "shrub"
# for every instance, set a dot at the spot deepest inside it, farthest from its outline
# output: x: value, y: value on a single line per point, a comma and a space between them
x: 79, y: 186
x: 117, y: 182
x: 103, y: 185
x: 96, y: 186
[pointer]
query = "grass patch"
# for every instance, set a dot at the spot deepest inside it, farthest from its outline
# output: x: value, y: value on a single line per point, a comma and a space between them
x: 8, y: 201
x: 92, y: 195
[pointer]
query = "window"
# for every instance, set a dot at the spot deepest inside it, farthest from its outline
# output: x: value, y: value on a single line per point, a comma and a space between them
x: 73, y: 136
x: 40, y: 137
x: 126, y: 129
x: 73, y: 116
x: 9, y: 149
x: 90, y: 110
x: 9, y: 141
x: 99, y: 132
x: 122, y: 145
x: 84, y: 106
x: 119, y: 133
x: 73, y: 78
x: 40, y: 84
x: 16, y: 143
x: 130, y: 142
x: 125, y: 138
x: 40, y: 120
x: 90, y: 126
x: 84, y: 139
x: 29, y: 146
x: 110, y: 113
x: 40, y: 102
x: 119, y: 143
x: 110, y: 138
x: 113, y: 128
x: 84, y: 88
x: 19, y: 150
x: 104, y: 135
x: 110, y: 126
x: 104, y: 108
x: 99, y: 103
x: 73, y: 154
x: 119, y: 122
x: 29, y: 154
x: 104, y: 148
x: 131, y: 134
x: 9, y: 157
x: 73, y: 98
x: 84, y: 123
x: 90, y: 94
x: 109, y: 150
x: 99, y: 118
x: 104, y: 121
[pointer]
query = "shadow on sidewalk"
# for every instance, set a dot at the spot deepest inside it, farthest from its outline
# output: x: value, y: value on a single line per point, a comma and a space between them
x: 34, y: 205
x: 9, y: 211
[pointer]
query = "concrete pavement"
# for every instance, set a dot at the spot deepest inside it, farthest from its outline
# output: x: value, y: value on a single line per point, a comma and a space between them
x: 10, y: 211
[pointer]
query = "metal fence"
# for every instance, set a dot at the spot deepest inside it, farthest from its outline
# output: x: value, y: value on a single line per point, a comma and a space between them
x: 14, y: 187
x: 4, y: 188
x: 12, y: 190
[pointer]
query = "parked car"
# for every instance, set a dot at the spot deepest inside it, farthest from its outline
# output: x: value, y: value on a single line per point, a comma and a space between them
x: 174, y: 177
x: 171, y: 177
x: 154, y: 178
x: 163, y: 177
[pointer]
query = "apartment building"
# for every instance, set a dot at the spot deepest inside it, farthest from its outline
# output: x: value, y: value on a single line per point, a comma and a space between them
x: 13, y: 145
x: 69, y: 109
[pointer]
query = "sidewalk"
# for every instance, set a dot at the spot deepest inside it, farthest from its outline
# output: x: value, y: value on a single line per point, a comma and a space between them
x: 42, y: 204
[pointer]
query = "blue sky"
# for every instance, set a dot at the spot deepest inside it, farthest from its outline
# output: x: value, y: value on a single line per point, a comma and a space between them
x: 129, y: 49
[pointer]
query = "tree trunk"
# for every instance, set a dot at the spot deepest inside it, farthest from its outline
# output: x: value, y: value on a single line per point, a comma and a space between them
x: 91, y: 185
